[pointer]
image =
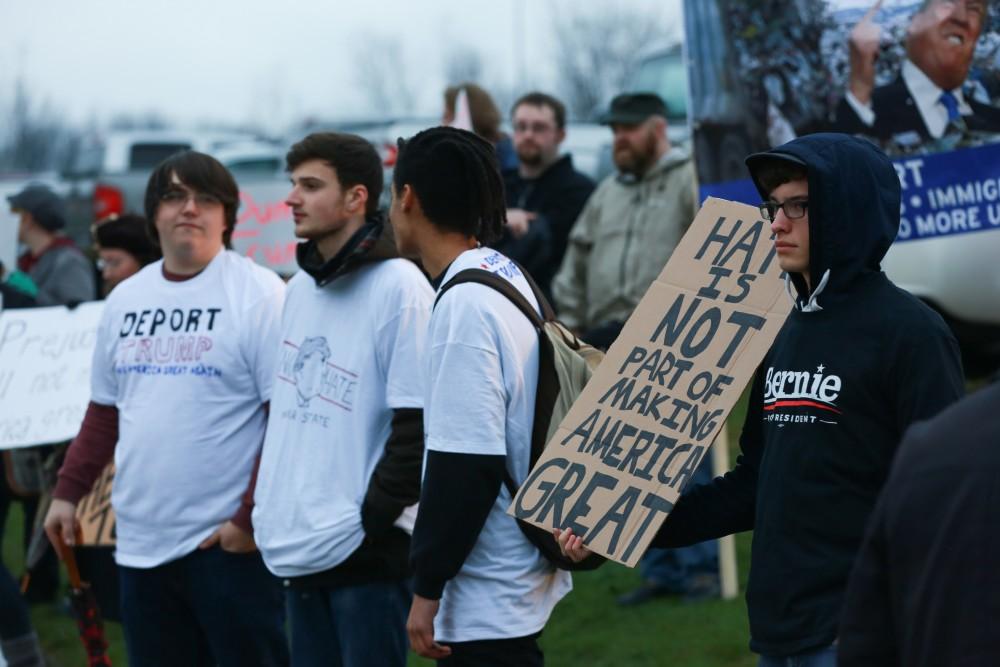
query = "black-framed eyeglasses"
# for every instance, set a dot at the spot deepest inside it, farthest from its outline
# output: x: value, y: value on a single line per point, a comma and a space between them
x: 175, y: 197
x: 793, y: 208
x: 534, y: 128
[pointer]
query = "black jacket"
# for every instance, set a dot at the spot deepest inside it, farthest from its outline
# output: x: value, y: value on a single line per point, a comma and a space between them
x: 557, y: 196
x: 857, y: 361
x: 925, y: 590
x: 11, y: 297
x: 395, y: 482
x: 896, y: 113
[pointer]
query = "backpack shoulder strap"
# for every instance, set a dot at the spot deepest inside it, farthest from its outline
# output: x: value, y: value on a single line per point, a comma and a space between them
x: 484, y: 277
x: 548, y: 313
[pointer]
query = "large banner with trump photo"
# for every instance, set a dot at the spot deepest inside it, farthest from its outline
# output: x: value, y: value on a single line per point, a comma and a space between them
x: 920, y: 78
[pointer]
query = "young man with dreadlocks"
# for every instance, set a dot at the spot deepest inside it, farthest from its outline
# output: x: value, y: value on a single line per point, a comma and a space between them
x: 483, y: 592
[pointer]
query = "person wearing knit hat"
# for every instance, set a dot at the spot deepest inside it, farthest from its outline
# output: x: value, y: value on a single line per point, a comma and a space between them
x: 63, y: 276
x: 123, y: 247
x: 62, y: 273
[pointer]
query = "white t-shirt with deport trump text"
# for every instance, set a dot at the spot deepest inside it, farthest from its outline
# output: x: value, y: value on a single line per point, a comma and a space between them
x: 189, y: 366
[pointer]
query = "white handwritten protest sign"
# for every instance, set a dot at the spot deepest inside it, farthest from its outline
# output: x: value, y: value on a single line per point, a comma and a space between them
x: 45, y: 357
x: 627, y: 447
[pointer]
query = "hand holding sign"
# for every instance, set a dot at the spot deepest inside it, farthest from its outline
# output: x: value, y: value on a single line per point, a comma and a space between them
x: 571, y: 545
x: 863, y: 45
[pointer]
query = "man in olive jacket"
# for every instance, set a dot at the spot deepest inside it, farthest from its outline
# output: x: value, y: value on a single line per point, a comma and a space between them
x: 629, y: 226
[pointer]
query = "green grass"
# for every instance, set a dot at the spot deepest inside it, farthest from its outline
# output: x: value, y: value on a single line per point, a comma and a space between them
x: 586, y: 628
x: 52, y: 622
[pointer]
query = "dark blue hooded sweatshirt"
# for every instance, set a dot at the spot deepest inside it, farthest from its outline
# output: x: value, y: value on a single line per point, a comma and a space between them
x: 856, y: 362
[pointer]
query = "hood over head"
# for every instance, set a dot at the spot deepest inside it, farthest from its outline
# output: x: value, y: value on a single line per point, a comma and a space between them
x: 854, y: 203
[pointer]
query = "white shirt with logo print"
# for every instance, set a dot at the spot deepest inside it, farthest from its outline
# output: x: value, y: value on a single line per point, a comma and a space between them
x: 351, y: 352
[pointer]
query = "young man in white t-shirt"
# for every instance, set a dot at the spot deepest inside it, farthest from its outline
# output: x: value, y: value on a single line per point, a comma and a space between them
x: 182, y: 373
x: 483, y: 592
x: 342, y: 455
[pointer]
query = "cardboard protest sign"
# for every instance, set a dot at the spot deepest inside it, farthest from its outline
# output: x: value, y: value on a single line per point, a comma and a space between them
x: 626, y: 448
x: 45, y: 357
x: 97, y: 519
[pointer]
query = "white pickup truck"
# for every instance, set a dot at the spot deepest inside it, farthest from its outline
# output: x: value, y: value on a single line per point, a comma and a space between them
x: 110, y: 176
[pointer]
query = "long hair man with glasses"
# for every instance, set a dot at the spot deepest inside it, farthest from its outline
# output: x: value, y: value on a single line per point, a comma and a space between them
x: 182, y: 374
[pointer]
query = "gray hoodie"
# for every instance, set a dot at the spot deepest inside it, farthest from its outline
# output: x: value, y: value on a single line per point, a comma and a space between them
x: 63, y: 275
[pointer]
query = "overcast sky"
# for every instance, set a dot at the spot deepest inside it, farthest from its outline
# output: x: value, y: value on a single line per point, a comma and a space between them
x: 250, y: 60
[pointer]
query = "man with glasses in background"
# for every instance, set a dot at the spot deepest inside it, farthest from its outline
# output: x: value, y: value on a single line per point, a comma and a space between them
x: 545, y: 194
x: 182, y: 373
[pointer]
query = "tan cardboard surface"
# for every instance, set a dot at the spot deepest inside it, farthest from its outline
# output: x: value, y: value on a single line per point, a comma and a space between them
x: 630, y: 443
x: 97, y: 519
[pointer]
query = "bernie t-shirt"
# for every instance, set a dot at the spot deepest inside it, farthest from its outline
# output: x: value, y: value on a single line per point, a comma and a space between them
x: 480, y: 399
x: 351, y: 353
x: 188, y: 365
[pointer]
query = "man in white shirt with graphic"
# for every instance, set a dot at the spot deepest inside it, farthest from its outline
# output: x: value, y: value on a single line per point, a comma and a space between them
x: 483, y: 592
x: 182, y: 373
x: 344, y: 445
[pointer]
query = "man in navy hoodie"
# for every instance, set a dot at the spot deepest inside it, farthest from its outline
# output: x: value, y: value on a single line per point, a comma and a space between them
x: 925, y: 587
x: 857, y: 361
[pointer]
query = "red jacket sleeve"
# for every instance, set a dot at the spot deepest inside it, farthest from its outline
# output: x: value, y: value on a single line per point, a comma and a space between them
x: 89, y: 453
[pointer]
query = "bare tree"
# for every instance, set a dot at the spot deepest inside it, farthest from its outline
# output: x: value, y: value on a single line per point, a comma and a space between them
x: 597, y: 53
x: 381, y: 74
x: 37, y: 136
x: 463, y: 63
x: 466, y: 64
x: 143, y: 120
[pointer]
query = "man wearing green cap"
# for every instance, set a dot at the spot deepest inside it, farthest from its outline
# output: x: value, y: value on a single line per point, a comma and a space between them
x: 630, y: 225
